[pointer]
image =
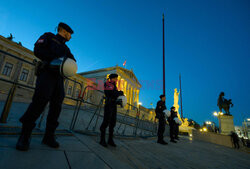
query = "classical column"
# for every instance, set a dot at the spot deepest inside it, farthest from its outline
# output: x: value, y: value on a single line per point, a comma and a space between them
x: 131, y: 95
x: 122, y: 85
x: 125, y: 87
x: 128, y: 94
x: 119, y: 83
x: 134, y: 95
x: 137, y: 99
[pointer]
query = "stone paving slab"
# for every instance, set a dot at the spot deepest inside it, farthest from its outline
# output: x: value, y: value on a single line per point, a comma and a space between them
x: 33, y: 159
x: 80, y: 160
x: 103, y: 153
x: 82, y: 151
x: 185, y: 154
x: 67, y: 143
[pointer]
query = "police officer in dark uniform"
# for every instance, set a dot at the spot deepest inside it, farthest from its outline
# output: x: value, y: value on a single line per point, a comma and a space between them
x: 162, y: 120
x: 49, y: 87
x: 172, y: 124
x: 110, y: 109
x: 176, y: 129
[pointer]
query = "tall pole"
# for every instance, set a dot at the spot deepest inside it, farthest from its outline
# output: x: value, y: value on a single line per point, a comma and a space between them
x: 163, y: 54
x: 181, y: 96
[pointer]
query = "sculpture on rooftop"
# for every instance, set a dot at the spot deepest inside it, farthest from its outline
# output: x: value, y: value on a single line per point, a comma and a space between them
x: 10, y: 37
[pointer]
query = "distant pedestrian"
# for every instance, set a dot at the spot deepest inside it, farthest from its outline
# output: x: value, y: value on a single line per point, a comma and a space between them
x: 235, y: 140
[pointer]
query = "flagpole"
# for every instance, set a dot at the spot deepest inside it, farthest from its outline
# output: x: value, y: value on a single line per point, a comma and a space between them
x: 163, y: 54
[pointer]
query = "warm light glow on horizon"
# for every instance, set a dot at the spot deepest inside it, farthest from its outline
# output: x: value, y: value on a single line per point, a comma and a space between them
x: 215, y: 113
x: 208, y: 122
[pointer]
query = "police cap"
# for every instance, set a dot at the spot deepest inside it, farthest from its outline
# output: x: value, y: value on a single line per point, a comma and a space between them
x: 66, y: 27
x: 113, y: 75
x: 161, y: 96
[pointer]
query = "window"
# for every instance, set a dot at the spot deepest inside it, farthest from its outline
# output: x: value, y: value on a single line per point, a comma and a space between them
x: 77, y: 92
x: 69, y: 90
x: 7, y: 69
x: 24, y: 75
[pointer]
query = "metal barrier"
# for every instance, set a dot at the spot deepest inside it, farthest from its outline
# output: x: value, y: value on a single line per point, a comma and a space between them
x: 11, y: 94
x: 124, y: 119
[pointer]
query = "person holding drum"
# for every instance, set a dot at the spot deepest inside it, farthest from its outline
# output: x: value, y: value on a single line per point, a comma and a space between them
x: 50, y: 49
x: 172, y: 124
x: 113, y: 97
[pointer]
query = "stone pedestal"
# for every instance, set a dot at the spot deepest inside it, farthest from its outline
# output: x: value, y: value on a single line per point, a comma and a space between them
x: 226, y: 124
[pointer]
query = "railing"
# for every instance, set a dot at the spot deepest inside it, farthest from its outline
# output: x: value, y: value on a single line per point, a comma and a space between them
x: 94, y: 102
x: 124, y: 120
x: 15, y: 83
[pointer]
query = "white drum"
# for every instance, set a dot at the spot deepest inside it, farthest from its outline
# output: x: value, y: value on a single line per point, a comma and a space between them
x: 68, y: 68
x: 65, y: 66
x: 167, y: 112
x: 177, y: 120
x: 123, y: 100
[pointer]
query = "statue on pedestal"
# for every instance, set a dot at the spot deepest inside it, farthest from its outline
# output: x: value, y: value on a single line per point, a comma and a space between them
x: 223, y: 103
x: 176, y: 100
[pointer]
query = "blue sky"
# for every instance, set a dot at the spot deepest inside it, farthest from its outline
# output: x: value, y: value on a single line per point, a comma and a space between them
x: 207, y: 41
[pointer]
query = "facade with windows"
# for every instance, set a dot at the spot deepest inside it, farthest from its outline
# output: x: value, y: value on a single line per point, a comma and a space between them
x: 16, y: 65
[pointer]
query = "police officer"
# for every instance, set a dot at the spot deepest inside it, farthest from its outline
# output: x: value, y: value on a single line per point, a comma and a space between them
x: 172, y: 124
x: 176, y: 128
x: 110, y: 109
x: 49, y: 87
x: 162, y: 120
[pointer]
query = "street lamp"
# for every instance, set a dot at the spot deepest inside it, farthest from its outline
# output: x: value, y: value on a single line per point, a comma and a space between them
x: 140, y: 103
x: 208, y: 122
x: 215, y: 114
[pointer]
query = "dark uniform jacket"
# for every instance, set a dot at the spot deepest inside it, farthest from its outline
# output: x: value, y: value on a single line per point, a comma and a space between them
x: 172, y: 116
x: 111, y: 92
x: 159, y: 109
x: 49, y: 47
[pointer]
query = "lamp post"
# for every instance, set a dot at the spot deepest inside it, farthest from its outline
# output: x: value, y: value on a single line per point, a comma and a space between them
x: 163, y: 41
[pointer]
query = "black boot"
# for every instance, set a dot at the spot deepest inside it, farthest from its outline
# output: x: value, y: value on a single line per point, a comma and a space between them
x: 111, y: 141
x: 49, y: 137
x: 24, y: 139
x: 173, y: 141
x: 50, y: 140
x: 162, y: 142
x: 103, y: 141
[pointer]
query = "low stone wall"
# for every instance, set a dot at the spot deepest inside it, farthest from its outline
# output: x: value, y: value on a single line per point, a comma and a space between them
x: 223, y: 140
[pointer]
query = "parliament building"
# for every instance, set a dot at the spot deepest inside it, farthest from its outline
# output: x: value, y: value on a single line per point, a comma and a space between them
x: 17, y: 67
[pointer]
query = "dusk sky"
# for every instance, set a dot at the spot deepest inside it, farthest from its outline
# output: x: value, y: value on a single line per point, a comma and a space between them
x: 207, y: 41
